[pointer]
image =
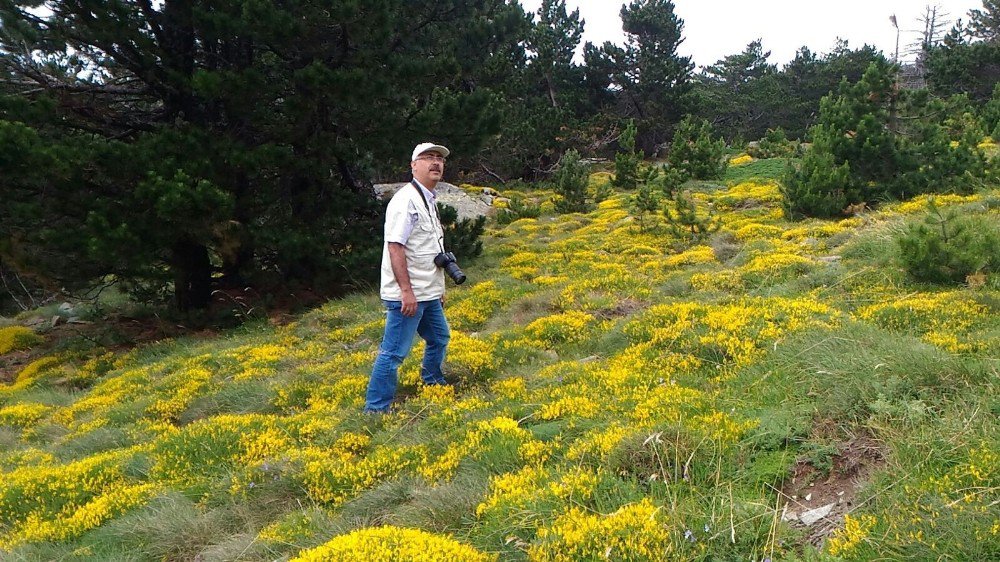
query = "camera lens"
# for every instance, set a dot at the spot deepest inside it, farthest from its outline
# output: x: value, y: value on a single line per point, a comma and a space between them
x: 455, y: 273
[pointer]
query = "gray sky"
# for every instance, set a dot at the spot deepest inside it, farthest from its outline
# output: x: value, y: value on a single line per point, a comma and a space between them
x: 716, y: 28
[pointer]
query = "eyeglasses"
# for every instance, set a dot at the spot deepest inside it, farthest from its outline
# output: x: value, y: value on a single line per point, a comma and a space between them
x: 433, y: 158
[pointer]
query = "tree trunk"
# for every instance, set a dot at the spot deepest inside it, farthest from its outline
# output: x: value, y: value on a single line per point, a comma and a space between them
x: 192, y: 276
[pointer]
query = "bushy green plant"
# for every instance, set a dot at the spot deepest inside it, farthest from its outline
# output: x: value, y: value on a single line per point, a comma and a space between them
x: 948, y: 247
x: 817, y: 187
x: 681, y: 213
x: 989, y: 117
x: 627, y: 160
x: 571, y: 184
x: 774, y: 145
x: 518, y: 208
x: 644, y: 202
x: 873, y: 143
x: 671, y: 180
x: 694, y: 153
x: 461, y: 236
x: 603, y: 191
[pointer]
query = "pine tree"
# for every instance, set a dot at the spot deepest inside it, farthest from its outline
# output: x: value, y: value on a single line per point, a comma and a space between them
x: 694, y: 153
x: 193, y: 143
x: 681, y: 213
x: 571, y: 184
x: 627, y: 160
x: 646, y: 200
x: 649, y: 78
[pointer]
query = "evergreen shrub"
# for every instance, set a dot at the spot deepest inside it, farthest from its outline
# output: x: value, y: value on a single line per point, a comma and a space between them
x: 627, y: 160
x: 950, y: 247
x: 774, y: 145
x: 461, y: 236
x: 694, y: 153
x: 518, y: 208
x: 571, y: 184
x: 817, y: 187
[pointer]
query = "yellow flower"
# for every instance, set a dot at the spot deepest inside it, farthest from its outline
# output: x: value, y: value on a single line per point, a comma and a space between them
x: 392, y: 544
x: 634, y: 532
x: 854, y: 532
x: 24, y: 414
x: 568, y: 327
x: 13, y: 338
x: 741, y: 160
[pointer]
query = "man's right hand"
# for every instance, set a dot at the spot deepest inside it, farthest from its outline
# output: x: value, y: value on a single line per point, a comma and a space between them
x: 409, y: 307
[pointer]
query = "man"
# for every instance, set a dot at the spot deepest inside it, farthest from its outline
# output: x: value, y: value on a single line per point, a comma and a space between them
x: 412, y: 286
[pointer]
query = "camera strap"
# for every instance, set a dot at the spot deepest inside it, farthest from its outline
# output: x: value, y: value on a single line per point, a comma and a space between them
x: 433, y: 214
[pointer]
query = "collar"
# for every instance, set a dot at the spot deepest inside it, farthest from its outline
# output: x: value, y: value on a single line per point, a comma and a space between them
x: 427, y: 193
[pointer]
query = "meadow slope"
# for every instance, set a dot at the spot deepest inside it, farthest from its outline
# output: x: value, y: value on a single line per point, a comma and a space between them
x: 622, y: 393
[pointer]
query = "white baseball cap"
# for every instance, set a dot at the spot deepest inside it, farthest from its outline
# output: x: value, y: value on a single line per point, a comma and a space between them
x: 426, y: 147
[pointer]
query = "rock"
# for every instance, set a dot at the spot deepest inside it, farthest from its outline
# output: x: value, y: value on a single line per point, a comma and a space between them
x: 813, y: 515
x: 66, y: 308
x: 56, y: 320
x: 788, y: 515
x: 829, y: 259
x: 468, y: 207
x: 34, y: 321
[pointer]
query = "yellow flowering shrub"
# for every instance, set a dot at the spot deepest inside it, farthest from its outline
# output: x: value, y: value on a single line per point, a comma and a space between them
x: 181, y: 388
x: 56, y: 502
x: 921, y: 203
x: 333, y: 477
x: 470, y: 357
x: 207, y: 447
x: 597, y: 444
x: 757, y: 231
x: 740, y: 160
x: 635, y: 532
x: 498, y: 434
x: 535, y: 489
x: 846, y: 539
x: 818, y: 230
x: 257, y: 361
x: 392, y: 544
x: 14, y: 338
x: 510, y: 389
x: 23, y: 414
x: 949, y: 510
x: 567, y: 327
x: 576, y: 406
x: 735, y: 333
x: 105, y: 395
x: 692, y: 256
x: 72, y: 523
x: 748, y: 193
x: 475, y: 306
x: 950, y: 319
x: 34, y: 370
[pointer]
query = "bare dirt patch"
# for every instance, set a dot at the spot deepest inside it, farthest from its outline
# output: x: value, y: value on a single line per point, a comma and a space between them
x: 624, y: 308
x: 816, y: 501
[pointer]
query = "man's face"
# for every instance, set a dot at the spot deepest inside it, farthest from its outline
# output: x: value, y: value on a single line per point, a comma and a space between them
x: 428, y: 167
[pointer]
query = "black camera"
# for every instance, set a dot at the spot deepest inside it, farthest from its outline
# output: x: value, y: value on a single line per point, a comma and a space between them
x: 446, y: 261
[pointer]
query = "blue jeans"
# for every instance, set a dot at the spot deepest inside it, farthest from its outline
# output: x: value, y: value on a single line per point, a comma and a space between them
x: 430, y: 323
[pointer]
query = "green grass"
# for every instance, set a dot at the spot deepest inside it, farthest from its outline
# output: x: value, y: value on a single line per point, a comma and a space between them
x: 767, y: 169
x: 700, y: 387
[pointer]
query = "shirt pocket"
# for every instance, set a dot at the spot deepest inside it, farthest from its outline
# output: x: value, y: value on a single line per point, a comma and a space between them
x: 424, y: 223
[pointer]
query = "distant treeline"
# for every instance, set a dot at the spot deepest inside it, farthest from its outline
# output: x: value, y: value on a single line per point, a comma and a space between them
x: 178, y: 147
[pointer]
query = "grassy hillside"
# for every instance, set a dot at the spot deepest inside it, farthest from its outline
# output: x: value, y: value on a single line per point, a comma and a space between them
x: 622, y: 393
